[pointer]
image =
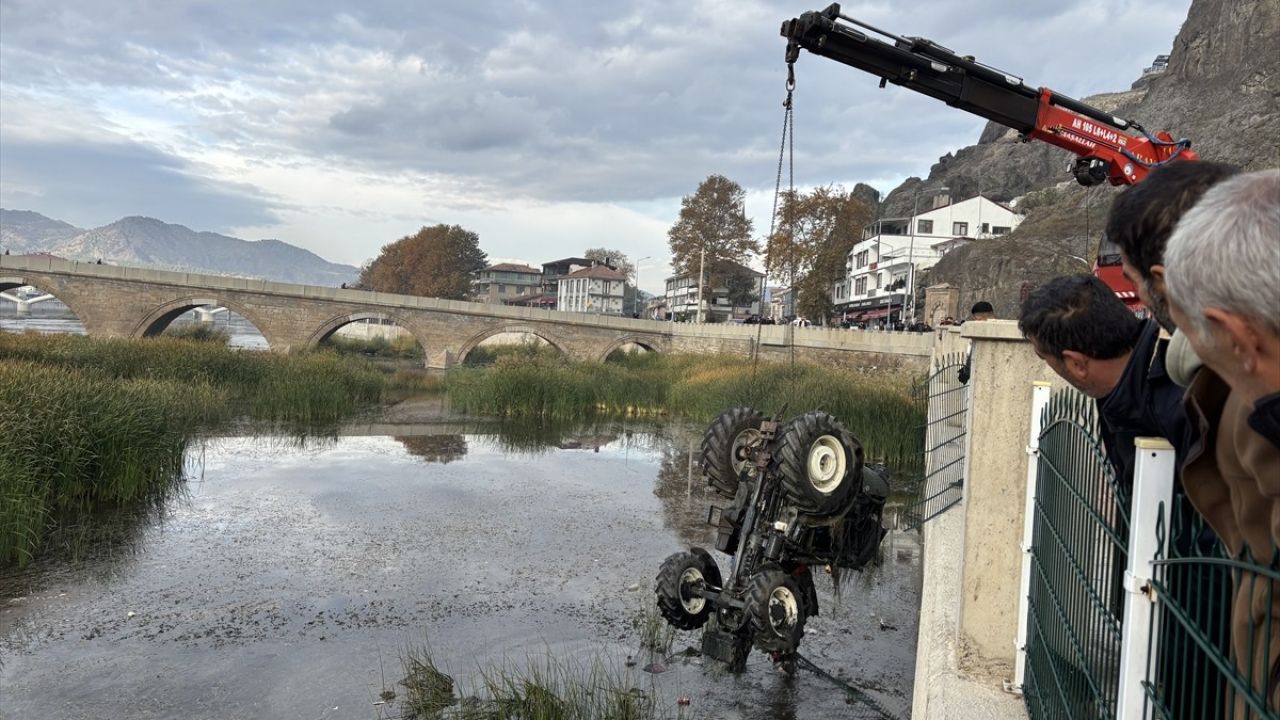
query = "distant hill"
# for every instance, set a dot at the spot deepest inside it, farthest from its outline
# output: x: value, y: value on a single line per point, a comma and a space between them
x: 147, y: 242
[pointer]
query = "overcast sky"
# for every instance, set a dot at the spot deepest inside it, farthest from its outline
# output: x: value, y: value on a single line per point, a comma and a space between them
x: 545, y: 126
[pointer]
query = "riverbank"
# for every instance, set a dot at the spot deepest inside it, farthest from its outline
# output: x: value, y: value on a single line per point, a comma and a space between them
x: 93, y: 424
x: 879, y: 406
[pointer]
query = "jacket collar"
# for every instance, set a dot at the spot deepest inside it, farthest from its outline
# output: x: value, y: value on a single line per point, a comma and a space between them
x: 1126, y: 402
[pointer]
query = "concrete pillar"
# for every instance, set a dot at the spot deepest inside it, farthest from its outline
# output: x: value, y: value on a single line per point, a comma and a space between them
x: 1003, y: 368
x: 24, y: 308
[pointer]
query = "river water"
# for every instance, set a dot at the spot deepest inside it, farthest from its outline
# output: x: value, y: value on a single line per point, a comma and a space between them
x: 289, y: 577
x: 51, y: 316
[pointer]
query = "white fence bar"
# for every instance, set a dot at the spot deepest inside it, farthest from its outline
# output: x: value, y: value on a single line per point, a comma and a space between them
x: 1039, y: 399
x: 1152, y: 495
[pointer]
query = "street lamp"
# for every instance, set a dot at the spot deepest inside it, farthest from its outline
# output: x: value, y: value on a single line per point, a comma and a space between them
x: 911, y: 251
x: 635, y: 305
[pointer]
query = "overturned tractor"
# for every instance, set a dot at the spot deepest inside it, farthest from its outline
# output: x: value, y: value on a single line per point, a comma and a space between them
x: 800, y: 496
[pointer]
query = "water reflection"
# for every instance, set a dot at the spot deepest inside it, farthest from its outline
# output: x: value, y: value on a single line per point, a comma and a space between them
x: 442, y: 449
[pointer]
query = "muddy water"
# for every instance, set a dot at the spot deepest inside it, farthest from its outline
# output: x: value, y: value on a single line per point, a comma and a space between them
x: 288, y: 580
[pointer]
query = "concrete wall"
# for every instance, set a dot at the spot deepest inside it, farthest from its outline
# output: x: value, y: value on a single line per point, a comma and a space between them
x: 1003, y: 370
x: 972, y: 554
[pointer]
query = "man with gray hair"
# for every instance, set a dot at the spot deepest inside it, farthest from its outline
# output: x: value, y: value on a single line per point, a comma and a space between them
x: 1223, y: 271
x: 1222, y: 276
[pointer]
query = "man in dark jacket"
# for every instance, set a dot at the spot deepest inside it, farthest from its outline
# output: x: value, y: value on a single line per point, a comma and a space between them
x: 1090, y: 339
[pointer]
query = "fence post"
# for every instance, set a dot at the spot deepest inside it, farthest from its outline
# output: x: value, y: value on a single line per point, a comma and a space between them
x: 1140, y: 637
x: 1039, y: 399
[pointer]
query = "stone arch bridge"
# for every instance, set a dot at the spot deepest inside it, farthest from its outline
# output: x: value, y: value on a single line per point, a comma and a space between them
x: 118, y: 301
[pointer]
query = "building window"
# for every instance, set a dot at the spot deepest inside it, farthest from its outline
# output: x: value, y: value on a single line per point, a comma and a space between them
x: 860, y: 286
x: 861, y: 258
x: 960, y: 228
x: 999, y: 230
x: 924, y: 227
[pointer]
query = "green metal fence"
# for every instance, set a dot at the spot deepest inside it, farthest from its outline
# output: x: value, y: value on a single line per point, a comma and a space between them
x: 1198, y: 672
x: 946, y: 395
x: 1075, y: 593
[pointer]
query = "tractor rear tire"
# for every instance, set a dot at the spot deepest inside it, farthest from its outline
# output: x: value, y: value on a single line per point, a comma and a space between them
x: 680, y: 581
x: 820, y: 463
x: 725, y: 445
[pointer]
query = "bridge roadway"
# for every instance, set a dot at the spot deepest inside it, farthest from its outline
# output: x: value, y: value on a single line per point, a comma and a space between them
x: 119, y: 301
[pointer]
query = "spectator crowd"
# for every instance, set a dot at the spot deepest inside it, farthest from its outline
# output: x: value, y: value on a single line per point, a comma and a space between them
x: 1201, y: 241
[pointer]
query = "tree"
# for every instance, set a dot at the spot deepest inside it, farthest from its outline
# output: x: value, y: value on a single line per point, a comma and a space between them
x: 438, y: 261
x: 713, y: 219
x: 740, y: 288
x: 813, y: 234
x: 615, y: 259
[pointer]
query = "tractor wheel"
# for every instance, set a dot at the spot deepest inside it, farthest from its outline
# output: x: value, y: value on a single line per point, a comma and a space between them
x: 725, y: 447
x: 820, y: 463
x: 778, y: 608
x: 679, y: 586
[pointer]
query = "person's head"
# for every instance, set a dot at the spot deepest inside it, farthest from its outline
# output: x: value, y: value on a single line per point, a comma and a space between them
x: 1078, y: 326
x: 982, y: 310
x: 1223, y: 278
x: 1143, y: 217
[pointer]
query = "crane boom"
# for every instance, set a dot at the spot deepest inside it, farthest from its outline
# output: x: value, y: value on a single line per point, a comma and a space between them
x: 1108, y: 147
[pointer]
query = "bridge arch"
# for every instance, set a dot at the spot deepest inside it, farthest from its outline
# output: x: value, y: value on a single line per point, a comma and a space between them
x: 330, y: 326
x: 71, y: 300
x: 158, y: 318
x: 644, y: 342
x: 480, y: 337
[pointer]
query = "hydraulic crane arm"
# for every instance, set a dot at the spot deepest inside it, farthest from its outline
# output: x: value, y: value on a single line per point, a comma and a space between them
x: 1109, y: 147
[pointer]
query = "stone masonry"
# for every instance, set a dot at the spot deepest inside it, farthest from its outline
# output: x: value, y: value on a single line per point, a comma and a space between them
x: 116, y: 301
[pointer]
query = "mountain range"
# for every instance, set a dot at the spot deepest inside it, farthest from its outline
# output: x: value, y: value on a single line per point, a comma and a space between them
x: 147, y: 242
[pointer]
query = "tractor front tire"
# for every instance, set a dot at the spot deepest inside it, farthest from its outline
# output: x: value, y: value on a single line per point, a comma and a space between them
x: 778, y: 608
x: 679, y: 586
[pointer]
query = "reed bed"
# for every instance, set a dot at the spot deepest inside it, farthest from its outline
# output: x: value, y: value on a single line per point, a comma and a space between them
x: 543, y: 688
x: 90, y: 424
x: 204, y: 332
x: 400, y: 347
x: 878, y: 406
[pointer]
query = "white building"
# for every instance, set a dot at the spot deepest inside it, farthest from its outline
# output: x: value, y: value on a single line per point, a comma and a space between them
x: 682, y: 293
x: 880, y: 270
x: 593, y: 290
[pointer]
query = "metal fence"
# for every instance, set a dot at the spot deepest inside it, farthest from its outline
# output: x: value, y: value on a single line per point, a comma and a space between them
x: 946, y: 395
x: 1130, y: 606
x: 1196, y: 674
x: 1074, y: 600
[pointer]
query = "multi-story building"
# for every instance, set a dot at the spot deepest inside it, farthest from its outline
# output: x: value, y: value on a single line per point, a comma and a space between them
x: 881, y: 269
x: 682, y: 294
x: 505, y: 282
x: 598, y: 289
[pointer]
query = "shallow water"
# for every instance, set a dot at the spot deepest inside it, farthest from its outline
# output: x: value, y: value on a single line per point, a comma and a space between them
x: 289, y: 579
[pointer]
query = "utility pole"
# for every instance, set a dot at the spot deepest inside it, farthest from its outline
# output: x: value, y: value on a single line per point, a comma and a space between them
x: 702, y: 266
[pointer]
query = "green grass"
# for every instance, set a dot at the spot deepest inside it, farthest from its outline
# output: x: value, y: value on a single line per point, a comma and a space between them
x: 545, y: 688
x: 204, y: 332
x: 878, y: 407
x: 402, y: 347
x: 91, y: 424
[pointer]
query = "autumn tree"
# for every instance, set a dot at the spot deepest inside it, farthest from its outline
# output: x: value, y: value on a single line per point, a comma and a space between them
x: 813, y: 234
x: 439, y: 261
x: 615, y: 259
x: 713, y: 219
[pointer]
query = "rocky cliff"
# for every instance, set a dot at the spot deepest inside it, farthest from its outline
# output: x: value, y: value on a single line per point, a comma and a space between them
x: 1221, y: 90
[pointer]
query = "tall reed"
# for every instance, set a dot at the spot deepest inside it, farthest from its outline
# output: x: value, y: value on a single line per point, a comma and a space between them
x: 878, y: 406
x: 90, y: 424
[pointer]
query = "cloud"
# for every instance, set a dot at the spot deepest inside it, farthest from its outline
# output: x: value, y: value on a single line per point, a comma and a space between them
x: 504, y: 105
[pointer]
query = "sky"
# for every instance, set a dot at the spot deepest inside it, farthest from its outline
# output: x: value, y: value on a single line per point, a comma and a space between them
x: 545, y: 127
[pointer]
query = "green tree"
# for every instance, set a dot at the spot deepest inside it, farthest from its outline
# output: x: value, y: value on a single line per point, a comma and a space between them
x: 740, y: 288
x: 615, y: 259
x: 813, y: 234
x: 439, y: 261
x: 713, y: 219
